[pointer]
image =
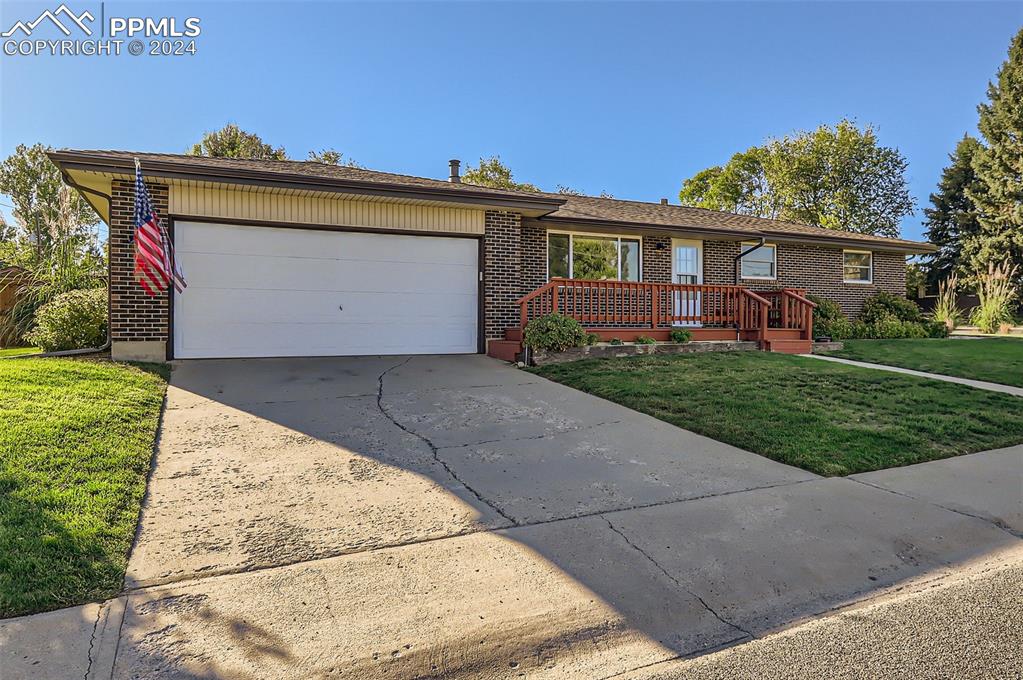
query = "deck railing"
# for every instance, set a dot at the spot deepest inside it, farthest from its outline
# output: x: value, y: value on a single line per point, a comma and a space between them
x: 658, y: 306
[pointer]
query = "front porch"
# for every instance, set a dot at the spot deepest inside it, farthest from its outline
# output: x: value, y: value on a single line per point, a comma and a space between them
x: 777, y: 320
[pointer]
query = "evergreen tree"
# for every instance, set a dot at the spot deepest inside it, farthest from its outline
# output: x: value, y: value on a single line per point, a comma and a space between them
x: 999, y: 167
x: 952, y: 219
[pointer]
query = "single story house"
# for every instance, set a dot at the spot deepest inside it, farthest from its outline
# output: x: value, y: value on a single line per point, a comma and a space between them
x: 291, y: 258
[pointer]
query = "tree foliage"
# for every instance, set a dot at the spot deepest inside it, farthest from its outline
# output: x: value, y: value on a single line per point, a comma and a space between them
x: 952, y: 217
x: 332, y: 157
x: 40, y: 214
x: 998, y: 164
x: 491, y: 172
x: 232, y: 142
x: 836, y: 177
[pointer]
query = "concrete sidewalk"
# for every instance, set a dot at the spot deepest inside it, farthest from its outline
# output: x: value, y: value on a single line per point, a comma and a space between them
x: 979, y: 384
x: 454, y: 517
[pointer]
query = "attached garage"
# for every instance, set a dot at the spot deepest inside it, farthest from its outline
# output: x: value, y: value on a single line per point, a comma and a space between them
x: 260, y: 291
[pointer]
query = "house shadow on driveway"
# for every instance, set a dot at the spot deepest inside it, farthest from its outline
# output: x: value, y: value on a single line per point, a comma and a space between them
x: 453, y: 516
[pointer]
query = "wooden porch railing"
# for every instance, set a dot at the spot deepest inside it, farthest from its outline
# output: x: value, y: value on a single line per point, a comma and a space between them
x: 790, y: 309
x: 626, y: 304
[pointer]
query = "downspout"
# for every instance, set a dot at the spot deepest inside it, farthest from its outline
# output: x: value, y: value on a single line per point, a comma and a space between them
x: 106, y: 345
x: 735, y: 260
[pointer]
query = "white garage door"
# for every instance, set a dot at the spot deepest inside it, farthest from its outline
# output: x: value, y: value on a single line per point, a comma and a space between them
x: 270, y: 292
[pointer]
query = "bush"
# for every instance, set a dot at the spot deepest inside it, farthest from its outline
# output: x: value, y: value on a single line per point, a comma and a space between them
x: 591, y: 339
x: 73, y: 320
x: 829, y: 320
x: 681, y: 335
x: 996, y: 293
x: 554, y: 333
x: 936, y: 329
x: 645, y: 340
x: 879, y: 307
x: 616, y: 341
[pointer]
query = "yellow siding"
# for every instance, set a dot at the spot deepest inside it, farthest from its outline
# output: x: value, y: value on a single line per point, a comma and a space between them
x: 321, y: 209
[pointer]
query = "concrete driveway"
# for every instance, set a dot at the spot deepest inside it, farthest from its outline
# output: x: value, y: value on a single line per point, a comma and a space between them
x: 453, y: 516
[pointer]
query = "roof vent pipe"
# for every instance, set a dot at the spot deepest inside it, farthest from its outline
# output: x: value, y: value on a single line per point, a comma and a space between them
x: 664, y: 201
x: 453, y: 177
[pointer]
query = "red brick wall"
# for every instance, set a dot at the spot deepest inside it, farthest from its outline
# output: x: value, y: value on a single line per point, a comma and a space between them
x: 818, y: 269
x: 134, y: 316
x: 502, y: 273
x: 656, y: 263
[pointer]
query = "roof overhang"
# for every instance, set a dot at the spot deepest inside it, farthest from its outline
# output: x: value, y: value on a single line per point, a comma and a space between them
x: 724, y: 234
x: 94, y: 171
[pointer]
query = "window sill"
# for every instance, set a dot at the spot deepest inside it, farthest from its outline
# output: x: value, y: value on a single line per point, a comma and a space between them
x: 859, y: 283
x: 759, y: 278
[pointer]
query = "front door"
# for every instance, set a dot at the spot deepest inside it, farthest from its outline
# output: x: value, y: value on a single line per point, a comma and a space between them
x: 687, y: 268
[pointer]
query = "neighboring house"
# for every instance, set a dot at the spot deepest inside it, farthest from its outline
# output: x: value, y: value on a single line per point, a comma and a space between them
x: 12, y: 279
x: 289, y: 258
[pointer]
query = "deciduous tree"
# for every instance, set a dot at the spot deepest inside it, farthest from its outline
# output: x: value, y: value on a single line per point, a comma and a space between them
x: 491, y: 172
x: 232, y: 142
x: 836, y: 177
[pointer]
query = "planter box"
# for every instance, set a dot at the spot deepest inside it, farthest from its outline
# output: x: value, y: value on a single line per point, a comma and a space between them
x: 604, y: 351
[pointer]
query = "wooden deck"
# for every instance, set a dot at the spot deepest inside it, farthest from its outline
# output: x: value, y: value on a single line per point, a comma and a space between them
x: 778, y: 320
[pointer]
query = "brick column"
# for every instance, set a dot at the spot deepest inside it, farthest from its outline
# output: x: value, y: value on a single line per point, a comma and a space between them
x: 502, y: 276
x: 657, y: 262
x: 138, y: 323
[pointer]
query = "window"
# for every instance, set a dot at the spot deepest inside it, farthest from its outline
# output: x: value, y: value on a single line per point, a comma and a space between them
x: 759, y: 263
x: 857, y: 266
x: 584, y: 256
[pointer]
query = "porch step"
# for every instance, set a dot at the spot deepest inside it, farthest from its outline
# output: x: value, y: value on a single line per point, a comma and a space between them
x: 505, y: 350
x: 788, y: 346
x: 784, y: 334
x: 513, y: 334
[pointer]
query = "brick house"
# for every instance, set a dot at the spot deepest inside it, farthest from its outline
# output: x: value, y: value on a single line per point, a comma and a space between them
x: 289, y: 258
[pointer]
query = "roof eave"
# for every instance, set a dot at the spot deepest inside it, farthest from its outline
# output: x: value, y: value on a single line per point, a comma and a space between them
x: 66, y: 160
x: 910, y: 247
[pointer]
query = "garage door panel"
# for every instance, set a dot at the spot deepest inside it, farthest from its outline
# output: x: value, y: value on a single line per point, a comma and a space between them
x: 260, y: 291
x: 312, y: 244
x: 265, y: 272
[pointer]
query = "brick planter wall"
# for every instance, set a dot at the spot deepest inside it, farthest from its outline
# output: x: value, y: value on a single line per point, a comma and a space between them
x: 138, y: 323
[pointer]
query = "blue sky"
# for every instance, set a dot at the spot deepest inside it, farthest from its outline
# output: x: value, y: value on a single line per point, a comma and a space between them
x: 630, y: 98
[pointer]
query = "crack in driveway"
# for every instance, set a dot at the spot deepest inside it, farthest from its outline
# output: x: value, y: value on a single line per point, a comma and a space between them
x: 676, y: 581
x: 429, y: 443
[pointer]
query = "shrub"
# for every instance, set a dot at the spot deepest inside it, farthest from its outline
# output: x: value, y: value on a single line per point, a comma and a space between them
x: 73, y: 320
x: 591, y: 339
x: 554, y: 333
x: 936, y: 329
x: 996, y: 293
x: 681, y: 335
x: 884, y: 304
x: 616, y: 341
x: 945, y: 309
x: 829, y: 320
x: 645, y: 340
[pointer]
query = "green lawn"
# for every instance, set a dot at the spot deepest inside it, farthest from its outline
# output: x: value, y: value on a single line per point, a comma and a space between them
x: 828, y: 418
x: 998, y: 360
x: 17, y: 351
x: 76, y: 438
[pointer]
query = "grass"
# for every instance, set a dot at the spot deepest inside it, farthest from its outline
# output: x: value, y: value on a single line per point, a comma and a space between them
x: 998, y: 360
x: 18, y: 351
x: 827, y: 418
x: 76, y: 438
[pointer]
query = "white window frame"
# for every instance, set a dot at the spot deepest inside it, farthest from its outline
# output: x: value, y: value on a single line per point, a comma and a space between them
x: 774, y: 253
x: 870, y: 268
x: 571, y: 250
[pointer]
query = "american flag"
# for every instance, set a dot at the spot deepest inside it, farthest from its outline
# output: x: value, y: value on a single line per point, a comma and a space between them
x: 155, y: 264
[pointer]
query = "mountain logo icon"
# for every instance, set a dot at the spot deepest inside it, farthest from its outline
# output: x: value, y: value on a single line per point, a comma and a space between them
x: 53, y: 16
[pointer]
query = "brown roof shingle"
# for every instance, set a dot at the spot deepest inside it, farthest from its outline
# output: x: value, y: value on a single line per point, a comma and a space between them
x: 562, y: 207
